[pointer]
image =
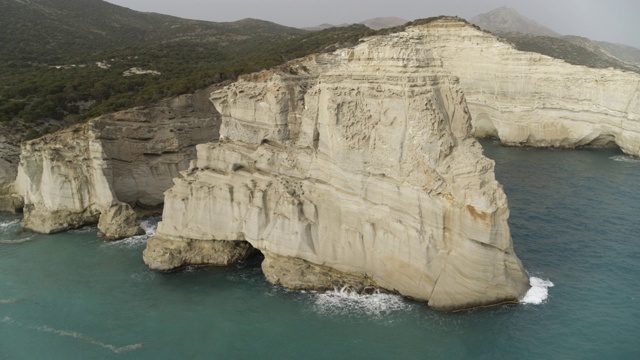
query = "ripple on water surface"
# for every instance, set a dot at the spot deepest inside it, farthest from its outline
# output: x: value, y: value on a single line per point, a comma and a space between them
x: 11, y: 232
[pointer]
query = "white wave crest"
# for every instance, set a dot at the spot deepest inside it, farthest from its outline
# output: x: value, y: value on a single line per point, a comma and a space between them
x: 149, y: 226
x: 539, y: 291
x: 8, y: 224
x: 13, y: 231
x: 348, y: 302
x: 8, y: 301
x: 73, y: 334
x: 625, y: 158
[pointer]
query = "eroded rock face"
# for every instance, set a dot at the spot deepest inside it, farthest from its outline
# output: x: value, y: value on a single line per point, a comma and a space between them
x: 528, y: 99
x: 118, y: 222
x: 355, y: 168
x: 167, y: 254
x: 68, y: 179
x: 9, y: 158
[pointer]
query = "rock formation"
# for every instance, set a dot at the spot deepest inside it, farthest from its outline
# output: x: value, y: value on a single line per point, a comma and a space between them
x: 356, y: 169
x: 9, y: 156
x: 528, y: 99
x: 92, y: 173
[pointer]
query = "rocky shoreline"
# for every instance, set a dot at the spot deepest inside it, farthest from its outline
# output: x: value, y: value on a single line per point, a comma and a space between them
x: 356, y: 168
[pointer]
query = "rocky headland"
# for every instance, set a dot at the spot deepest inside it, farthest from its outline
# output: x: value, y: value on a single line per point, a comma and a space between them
x: 97, y: 172
x: 529, y: 99
x: 355, y: 169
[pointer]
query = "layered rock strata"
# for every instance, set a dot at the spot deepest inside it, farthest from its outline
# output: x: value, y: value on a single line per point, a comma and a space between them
x: 9, y: 157
x: 528, y: 99
x: 95, y: 172
x: 355, y: 168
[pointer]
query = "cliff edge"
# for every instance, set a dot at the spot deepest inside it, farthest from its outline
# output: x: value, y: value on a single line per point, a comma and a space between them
x: 529, y: 99
x: 95, y: 173
x: 354, y: 169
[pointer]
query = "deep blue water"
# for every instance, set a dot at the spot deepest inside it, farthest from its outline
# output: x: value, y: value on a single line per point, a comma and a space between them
x: 574, y: 221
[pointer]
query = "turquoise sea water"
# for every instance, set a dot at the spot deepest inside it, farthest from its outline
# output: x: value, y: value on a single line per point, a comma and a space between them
x: 574, y: 220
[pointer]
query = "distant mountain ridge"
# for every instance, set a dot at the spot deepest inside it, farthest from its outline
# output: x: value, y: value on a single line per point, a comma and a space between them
x: 528, y: 35
x: 384, y: 22
x: 623, y: 52
x: 70, y: 28
x: 374, y: 23
x: 505, y: 20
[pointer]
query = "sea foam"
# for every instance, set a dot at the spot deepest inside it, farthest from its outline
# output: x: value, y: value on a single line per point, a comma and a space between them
x: 8, y: 224
x: 539, y: 291
x: 13, y: 231
x: 625, y: 158
x: 149, y: 226
x: 348, y: 302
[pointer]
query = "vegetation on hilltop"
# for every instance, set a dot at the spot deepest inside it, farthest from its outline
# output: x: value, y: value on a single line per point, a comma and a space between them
x: 527, y: 35
x: 72, y: 66
x: 567, y: 49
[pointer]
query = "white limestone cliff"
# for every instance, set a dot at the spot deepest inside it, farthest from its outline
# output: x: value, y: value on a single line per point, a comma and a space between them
x: 94, y: 172
x: 528, y: 99
x: 349, y: 169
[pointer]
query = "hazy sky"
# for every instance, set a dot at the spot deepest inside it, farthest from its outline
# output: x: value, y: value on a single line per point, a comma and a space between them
x: 608, y: 20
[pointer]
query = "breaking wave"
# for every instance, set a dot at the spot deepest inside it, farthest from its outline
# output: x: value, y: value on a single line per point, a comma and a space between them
x: 539, y: 291
x: 8, y: 224
x: 149, y: 226
x: 12, y: 233
x: 625, y: 158
x: 345, y: 301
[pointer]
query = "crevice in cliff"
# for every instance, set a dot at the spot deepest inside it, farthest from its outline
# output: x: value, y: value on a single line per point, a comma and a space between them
x: 489, y: 246
x: 158, y: 154
x: 435, y: 283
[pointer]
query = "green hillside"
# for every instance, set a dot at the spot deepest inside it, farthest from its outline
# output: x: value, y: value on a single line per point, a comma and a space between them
x: 574, y: 50
x: 71, y: 66
x: 48, y: 31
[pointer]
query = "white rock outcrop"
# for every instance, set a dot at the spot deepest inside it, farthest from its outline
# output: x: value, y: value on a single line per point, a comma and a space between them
x: 355, y: 168
x: 70, y: 178
x: 529, y: 99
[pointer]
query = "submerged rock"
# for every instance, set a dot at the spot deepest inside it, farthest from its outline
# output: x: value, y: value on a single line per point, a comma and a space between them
x: 355, y: 168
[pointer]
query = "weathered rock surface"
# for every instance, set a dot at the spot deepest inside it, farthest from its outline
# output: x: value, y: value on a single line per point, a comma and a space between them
x: 9, y: 158
x: 118, y: 222
x: 69, y: 178
x: 528, y: 99
x: 167, y: 254
x: 355, y: 168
